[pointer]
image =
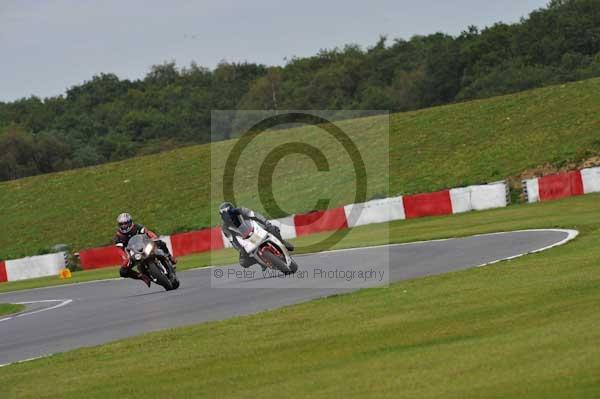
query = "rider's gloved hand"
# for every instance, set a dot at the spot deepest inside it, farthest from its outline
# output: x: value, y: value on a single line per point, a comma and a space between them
x: 125, y: 260
x: 272, y: 227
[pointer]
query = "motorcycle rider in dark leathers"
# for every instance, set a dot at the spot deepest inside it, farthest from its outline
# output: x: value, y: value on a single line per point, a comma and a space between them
x: 128, y: 229
x: 233, y: 217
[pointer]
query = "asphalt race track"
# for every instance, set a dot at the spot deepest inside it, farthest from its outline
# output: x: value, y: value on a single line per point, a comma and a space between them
x: 62, y: 318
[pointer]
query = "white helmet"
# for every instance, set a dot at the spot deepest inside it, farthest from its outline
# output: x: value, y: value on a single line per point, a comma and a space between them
x: 125, y: 222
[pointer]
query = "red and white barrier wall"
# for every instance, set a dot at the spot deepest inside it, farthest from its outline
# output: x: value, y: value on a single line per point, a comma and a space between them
x: 562, y: 185
x: 447, y: 202
x: 32, y: 267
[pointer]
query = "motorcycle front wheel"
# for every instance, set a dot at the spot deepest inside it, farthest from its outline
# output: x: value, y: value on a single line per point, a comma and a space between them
x: 159, y: 276
x: 175, y: 282
x: 279, y: 264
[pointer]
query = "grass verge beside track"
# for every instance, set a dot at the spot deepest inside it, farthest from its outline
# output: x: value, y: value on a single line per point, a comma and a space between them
x: 9, y: 308
x: 523, y: 328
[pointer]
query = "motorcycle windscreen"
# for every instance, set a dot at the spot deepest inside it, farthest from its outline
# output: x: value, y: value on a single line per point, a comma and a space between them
x: 137, y: 243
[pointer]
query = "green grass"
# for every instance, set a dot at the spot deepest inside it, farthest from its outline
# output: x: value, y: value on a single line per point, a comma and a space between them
x: 526, y: 328
x: 9, y: 308
x: 447, y: 146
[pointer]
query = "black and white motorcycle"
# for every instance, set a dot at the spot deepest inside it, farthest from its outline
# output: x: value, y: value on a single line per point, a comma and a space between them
x: 265, y: 248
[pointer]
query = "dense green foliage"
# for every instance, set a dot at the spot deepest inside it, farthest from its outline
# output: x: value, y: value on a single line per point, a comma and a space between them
x: 108, y: 119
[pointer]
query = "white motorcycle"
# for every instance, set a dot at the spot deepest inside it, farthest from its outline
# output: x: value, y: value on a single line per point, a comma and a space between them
x: 267, y: 249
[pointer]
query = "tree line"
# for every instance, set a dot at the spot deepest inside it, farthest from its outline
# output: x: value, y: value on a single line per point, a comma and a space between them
x: 107, y: 118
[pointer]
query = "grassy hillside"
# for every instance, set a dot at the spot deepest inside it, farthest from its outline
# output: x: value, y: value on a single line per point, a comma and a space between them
x: 520, y: 329
x: 431, y: 149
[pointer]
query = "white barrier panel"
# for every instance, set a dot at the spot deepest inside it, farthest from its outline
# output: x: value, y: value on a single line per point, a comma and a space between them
x: 591, y: 180
x: 167, y: 240
x: 478, y: 198
x: 461, y: 200
x: 286, y: 226
x: 488, y: 196
x: 35, y: 266
x: 375, y: 211
x: 533, y: 190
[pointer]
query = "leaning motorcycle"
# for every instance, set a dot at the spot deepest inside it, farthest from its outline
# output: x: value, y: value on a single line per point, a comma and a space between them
x: 265, y: 248
x: 152, y: 261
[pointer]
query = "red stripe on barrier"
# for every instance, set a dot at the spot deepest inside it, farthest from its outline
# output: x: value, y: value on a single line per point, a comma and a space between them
x: 432, y: 204
x: 561, y: 185
x: 316, y: 222
x: 197, y: 241
x: 95, y: 258
x: 3, y: 275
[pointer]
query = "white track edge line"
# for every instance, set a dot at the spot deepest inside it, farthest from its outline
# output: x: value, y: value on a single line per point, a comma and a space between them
x: 63, y: 302
x: 27, y: 360
x: 568, y: 231
x: 571, y: 235
x: 61, y: 285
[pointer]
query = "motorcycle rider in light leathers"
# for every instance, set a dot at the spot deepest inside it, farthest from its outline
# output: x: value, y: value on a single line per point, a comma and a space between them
x: 233, y: 217
x: 128, y: 229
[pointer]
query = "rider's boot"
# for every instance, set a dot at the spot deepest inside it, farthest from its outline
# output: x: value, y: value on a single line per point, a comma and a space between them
x: 288, y: 245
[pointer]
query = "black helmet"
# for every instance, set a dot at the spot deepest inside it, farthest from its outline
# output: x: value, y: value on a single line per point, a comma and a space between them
x: 225, y: 207
x: 227, y: 215
x: 125, y: 223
